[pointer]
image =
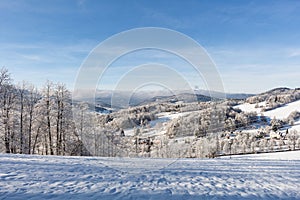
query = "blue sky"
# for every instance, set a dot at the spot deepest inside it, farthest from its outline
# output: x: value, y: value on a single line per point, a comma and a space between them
x: 255, y: 44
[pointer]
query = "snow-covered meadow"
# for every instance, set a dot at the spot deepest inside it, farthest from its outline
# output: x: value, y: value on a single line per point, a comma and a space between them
x: 279, y: 113
x: 263, y: 176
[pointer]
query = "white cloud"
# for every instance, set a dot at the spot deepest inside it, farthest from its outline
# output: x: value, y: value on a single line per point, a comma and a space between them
x: 294, y: 53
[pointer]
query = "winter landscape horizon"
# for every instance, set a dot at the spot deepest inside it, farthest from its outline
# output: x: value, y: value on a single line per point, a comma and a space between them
x: 187, y: 145
x: 149, y: 100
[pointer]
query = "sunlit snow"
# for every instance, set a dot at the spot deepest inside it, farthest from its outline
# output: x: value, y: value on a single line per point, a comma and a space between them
x: 263, y: 176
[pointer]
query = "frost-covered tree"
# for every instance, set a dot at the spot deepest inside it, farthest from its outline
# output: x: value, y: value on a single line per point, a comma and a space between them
x: 292, y: 139
x: 276, y: 124
x: 63, y: 117
x: 32, y: 99
x: 7, y: 103
x: 46, y: 105
x: 26, y: 98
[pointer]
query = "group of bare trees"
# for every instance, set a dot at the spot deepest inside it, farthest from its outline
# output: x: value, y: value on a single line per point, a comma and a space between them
x: 36, y: 121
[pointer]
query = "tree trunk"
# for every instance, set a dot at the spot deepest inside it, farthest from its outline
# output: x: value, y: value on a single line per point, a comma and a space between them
x: 21, y: 122
x: 49, y: 128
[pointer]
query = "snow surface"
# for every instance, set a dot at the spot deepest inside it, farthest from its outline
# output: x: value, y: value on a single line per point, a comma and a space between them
x: 163, y: 118
x: 284, y: 111
x: 262, y: 176
x: 280, y: 113
x: 172, y: 115
x: 247, y: 107
x: 290, y: 155
x: 296, y: 126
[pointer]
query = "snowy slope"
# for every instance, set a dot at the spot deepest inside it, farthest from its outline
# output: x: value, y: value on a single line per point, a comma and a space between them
x: 266, y: 176
x: 247, y: 107
x: 296, y: 126
x: 162, y: 118
x: 279, y: 113
x: 284, y: 111
x: 291, y: 155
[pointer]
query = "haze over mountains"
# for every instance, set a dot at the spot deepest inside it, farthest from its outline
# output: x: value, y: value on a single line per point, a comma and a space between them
x: 123, y: 99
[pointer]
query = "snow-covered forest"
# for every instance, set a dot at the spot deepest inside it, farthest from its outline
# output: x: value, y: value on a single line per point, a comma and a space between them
x: 45, y: 121
x: 36, y: 121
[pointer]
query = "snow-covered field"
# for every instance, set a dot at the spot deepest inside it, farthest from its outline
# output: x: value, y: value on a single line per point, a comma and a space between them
x: 284, y: 111
x: 280, y: 113
x: 263, y: 176
x: 163, y: 118
x: 247, y: 107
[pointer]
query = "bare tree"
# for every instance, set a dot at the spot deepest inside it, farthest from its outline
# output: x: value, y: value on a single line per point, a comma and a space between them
x: 32, y: 99
x: 63, y: 116
x: 7, y: 100
x: 47, y: 110
x: 21, y: 94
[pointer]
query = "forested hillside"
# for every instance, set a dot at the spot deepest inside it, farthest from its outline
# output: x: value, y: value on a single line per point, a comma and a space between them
x: 45, y: 121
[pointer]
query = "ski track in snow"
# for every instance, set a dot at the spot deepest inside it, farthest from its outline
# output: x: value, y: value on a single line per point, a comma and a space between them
x: 263, y: 176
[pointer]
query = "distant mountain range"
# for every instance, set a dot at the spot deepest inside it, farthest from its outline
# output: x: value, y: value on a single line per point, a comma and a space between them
x: 123, y: 99
x: 107, y: 100
x: 215, y: 94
